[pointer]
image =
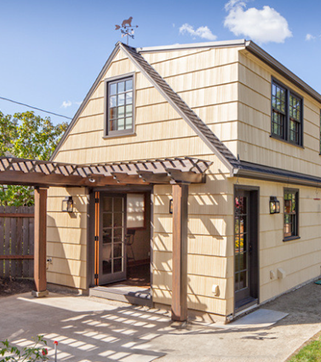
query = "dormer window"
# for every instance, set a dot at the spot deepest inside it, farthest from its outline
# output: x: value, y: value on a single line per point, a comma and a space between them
x: 286, y: 114
x: 120, y: 107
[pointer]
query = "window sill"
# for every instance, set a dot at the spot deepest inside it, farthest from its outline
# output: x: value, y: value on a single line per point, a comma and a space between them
x: 290, y: 238
x: 119, y: 134
x: 285, y: 141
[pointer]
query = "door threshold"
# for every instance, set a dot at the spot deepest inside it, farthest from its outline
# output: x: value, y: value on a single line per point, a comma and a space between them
x: 246, y: 307
x: 123, y: 293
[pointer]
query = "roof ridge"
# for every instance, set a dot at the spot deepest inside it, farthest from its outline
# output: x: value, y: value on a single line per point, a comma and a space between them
x: 185, y: 111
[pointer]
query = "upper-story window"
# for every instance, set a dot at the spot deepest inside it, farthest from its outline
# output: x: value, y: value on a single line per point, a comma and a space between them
x: 120, y: 107
x: 286, y: 114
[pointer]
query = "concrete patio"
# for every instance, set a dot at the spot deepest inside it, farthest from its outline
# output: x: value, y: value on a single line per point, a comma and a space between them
x: 95, y: 330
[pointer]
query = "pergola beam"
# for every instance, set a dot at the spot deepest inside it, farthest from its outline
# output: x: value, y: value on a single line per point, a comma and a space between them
x: 157, y: 178
x: 189, y: 177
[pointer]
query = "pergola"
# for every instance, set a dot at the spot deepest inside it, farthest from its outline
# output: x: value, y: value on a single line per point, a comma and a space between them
x: 178, y: 172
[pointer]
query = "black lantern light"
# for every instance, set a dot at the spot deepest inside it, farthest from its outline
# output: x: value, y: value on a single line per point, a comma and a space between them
x: 171, y: 206
x: 67, y: 204
x: 274, y: 205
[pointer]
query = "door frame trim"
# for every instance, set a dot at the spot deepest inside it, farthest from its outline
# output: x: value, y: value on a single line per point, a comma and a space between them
x: 148, y: 189
x: 257, y: 231
x: 99, y: 255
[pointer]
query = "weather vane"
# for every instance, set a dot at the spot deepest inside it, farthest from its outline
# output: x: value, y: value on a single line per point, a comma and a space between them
x: 126, y: 28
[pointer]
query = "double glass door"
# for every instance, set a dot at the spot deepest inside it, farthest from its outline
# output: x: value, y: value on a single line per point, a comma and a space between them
x: 112, y: 249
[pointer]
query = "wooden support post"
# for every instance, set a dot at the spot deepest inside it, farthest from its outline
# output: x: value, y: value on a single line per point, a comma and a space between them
x: 40, y: 242
x: 179, y: 284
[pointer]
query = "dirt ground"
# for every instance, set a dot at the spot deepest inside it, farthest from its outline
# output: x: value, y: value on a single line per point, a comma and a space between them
x: 11, y: 286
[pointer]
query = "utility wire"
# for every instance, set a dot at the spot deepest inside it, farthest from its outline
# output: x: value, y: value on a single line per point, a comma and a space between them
x: 39, y: 109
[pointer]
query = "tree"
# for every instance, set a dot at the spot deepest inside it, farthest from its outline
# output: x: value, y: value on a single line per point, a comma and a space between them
x: 26, y: 135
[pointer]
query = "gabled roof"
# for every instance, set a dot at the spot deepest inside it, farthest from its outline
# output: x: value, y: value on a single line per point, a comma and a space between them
x: 200, y: 128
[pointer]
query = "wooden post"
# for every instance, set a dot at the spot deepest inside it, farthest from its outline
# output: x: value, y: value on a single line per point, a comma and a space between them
x: 179, y: 284
x: 40, y: 242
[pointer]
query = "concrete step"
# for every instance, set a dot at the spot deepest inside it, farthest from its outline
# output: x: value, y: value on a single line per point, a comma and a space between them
x: 123, y: 293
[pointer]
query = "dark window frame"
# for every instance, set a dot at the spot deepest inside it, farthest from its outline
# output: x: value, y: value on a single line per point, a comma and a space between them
x: 108, y: 132
x: 286, y: 116
x: 294, y: 215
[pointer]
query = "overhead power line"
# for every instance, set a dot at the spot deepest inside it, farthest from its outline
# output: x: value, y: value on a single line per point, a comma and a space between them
x: 39, y: 109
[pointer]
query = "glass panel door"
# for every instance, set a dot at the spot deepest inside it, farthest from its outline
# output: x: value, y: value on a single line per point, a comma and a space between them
x: 241, y: 246
x: 112, y: 239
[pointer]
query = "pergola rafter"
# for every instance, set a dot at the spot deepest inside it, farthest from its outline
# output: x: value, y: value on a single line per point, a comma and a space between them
x: 178, y: 172
x: 46, y: 173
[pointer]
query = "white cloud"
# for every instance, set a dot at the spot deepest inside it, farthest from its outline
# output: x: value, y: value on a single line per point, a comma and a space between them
x: 263, y: 26
x: 309, y: 37
x: 202, y: 32
x: 66, y: 104
x: 232, y: 3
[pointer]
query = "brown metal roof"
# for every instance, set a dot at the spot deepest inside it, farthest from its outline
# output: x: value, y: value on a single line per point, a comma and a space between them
x: 201, y: 129
x: 205, y: 133
x: 47, y: 173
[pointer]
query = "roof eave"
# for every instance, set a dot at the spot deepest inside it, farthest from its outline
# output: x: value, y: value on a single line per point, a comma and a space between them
x: 221, y: 157
x: 215, y: 44
x: 280, y: 68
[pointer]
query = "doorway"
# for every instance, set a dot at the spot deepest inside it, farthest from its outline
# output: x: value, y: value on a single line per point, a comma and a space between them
x: 122, y: 239
x: 246, y: 268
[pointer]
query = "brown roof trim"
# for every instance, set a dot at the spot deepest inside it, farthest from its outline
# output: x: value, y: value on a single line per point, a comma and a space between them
x: 267, y: 173
x: 280, y: 68
x: 204, y: 132
x: 200, y: 128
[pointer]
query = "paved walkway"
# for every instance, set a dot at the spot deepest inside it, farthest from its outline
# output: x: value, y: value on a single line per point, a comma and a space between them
x: 95, y: 330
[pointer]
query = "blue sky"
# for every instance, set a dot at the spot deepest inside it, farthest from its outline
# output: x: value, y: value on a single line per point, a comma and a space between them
x: 52, y: 50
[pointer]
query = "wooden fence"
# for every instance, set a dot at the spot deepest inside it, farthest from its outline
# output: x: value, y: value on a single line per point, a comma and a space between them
x: 16, y: 241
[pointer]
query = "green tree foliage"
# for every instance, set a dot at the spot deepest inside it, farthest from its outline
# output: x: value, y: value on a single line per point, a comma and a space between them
x: 26, y: 135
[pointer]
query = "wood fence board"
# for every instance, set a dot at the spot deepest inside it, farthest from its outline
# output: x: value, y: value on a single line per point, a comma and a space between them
x: 25, y: 246
x: 19, y: 246
x: 1, y: 245
x: 31, y: 245
x: 16, y: 241
x: 7, y: 250
x: 13, y: 246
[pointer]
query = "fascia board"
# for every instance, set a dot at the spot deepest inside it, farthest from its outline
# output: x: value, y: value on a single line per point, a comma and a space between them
x: 216, y: 44
x: 280, y: 68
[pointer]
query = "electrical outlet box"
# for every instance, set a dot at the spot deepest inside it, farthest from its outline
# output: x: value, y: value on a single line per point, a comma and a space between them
x: 272, y: 274
x: 281, y: 273
x: 49, y: 259
x: 215, y: 289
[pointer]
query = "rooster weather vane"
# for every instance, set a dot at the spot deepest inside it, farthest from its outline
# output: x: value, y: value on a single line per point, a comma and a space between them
x: 126, y: 28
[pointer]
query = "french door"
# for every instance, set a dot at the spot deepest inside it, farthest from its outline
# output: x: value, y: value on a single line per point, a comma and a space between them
x: 245, y: 247
x: 112, y: 249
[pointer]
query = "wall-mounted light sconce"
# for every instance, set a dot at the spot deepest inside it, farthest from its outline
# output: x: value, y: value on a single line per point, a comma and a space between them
x: 274, y: 205
x: 67, y: 204
x: 171, y: 206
